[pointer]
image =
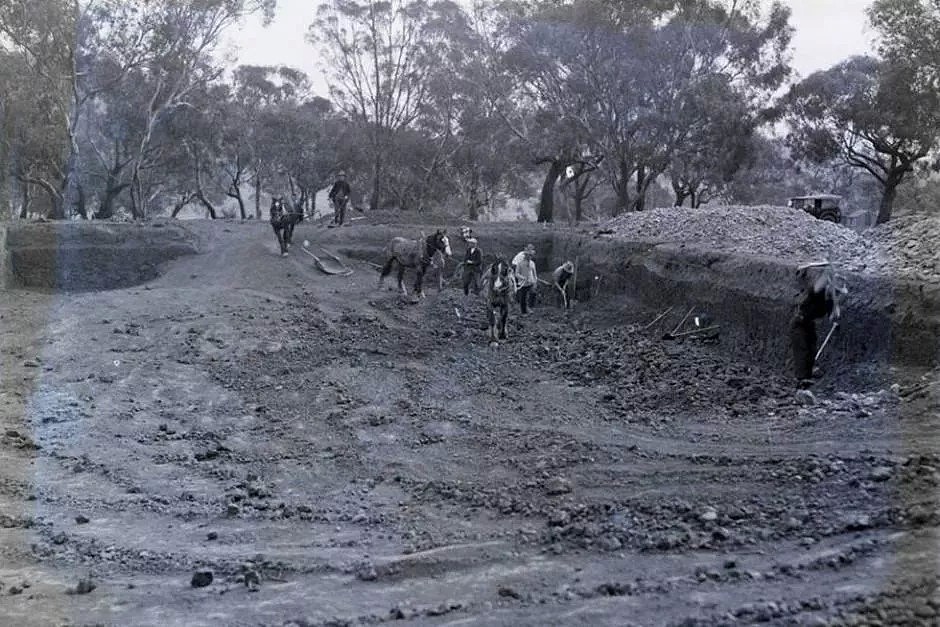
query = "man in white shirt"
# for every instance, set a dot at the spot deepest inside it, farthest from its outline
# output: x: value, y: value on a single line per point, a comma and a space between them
x: 527, y: 278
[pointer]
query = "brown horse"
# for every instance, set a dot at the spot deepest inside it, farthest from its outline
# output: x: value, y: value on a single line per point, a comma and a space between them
x: 499, y: 288
x: 282, y: 221
x: 410, y: 253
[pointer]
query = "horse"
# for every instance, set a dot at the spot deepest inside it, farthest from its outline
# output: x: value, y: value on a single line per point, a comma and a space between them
x: 282, y: 221
x: 438, y: 263
x: 499, y: 288
x: 413, y: 253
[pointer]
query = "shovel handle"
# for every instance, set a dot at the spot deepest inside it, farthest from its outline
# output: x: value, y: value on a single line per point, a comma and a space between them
x: 826, y: 341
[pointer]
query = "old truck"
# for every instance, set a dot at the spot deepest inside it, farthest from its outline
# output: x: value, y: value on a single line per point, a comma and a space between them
x: 822, y: 206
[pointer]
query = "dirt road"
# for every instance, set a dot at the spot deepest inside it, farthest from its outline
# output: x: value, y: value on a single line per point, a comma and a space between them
x: 336, y: 455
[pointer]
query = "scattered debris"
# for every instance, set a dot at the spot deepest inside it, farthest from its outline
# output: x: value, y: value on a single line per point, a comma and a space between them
x: 84, y: 586
x: 201, y: 579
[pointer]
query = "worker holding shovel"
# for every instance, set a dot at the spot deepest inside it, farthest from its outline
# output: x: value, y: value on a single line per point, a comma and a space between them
x: 560, y: 278
x: 820, y: 298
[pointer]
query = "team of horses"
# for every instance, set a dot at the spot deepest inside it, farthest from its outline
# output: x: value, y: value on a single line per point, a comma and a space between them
x: 422, y: 254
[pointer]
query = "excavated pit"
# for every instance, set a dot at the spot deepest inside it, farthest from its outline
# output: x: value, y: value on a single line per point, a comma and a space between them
x: 886, y: 321
x: 78, y: 257
x: 366, y: 456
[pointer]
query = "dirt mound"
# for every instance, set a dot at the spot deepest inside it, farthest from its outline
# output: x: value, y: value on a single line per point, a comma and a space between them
x: 764, y: 230
x: 910, y: 244
x: 903, y: 248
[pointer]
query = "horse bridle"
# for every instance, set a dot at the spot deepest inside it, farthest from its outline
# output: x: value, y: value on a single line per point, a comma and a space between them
x: 430, y: 250
x: 506, y: 287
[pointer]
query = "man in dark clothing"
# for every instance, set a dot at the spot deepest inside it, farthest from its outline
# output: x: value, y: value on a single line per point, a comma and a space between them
x: 339, y: 196
x: 820, y: 298
x: 472, y: 267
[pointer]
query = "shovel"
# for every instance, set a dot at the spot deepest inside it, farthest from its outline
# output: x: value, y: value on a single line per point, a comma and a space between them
x: 672, y: 334
x: 826, y: 341
x: 659, y: 317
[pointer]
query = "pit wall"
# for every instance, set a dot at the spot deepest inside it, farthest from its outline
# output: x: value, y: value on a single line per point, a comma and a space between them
x: 885, y: 321
x: 81, y: 256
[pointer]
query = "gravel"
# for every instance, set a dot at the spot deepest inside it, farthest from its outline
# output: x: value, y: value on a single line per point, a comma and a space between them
x: 905, y: 247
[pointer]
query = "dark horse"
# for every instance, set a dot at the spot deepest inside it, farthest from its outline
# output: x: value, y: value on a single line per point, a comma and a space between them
x: 413, y: 253
x: 283, y: 220
x: 499, y: 288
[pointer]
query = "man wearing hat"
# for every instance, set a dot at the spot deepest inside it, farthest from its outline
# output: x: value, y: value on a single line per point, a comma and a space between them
x: 527, y: 279
x: 472, y: 267
x: 820, y: 297
x: 339, y: 196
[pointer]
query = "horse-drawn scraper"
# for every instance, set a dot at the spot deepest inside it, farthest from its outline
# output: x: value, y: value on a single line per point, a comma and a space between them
x: 333, y: 265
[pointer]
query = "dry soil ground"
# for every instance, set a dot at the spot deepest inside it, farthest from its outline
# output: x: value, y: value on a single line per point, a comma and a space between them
x: 336, y: 455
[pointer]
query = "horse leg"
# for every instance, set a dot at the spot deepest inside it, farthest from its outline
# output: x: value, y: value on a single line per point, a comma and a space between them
x: 386, y: 270
x: 419, y: 281
x: 503, y: 314
x: 401, y: 278
x: 491, y: 318
x: 289, y: 233
x: 280, y: 240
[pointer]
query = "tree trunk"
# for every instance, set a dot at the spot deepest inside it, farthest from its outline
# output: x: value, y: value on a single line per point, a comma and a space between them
x: 80, y: 203
x: 547, y: 197
x: 643, y: 180
x: 681, y: 191
x: 235, y: 191
x: 199, y: 194
x: 64, y: 201
x: 639, y: 201
x: 473, y: 205
x: 138, y: 210
x: 178, y: 206
x: 693, y: 197
x: 24, y: 209
x: 622, y: 187
x: 241, y: 203
x: 257, y: 195
x: 210, y: 208
x: 376, y: 175
x: 112, y: 191
x: 890, y: 192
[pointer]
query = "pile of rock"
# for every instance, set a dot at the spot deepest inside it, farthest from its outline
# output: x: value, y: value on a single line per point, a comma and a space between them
x: 778, y: 232
x: 907, y: 247
x: 904, y: 248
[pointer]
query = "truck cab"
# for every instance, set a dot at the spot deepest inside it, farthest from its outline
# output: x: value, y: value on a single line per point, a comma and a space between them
x: 821, y: 206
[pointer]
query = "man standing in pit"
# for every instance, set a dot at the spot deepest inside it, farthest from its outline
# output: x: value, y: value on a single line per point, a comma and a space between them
x: 527, y: 279
x: 560, y: 278
x: 339, y: 196
x: 472, y: 267
x: 820, y: 298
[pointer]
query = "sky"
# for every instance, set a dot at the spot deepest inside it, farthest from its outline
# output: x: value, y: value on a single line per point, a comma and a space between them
x: 826, y: 32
